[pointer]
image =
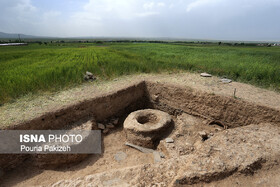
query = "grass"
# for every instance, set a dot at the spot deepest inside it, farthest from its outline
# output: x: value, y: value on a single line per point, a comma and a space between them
x: 34, y: 68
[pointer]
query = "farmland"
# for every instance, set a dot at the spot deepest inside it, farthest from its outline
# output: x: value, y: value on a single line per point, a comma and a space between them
x: 38, y: 68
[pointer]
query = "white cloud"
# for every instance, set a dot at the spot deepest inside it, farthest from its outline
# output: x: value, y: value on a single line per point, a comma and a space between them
x: 153, y: 5
x: 100, y: 10
x: 161, y: 4
x: 149, y: 5
x: 51, y: 14
x: 145, y: 14
x: 26, y: 5
x: 200, y: 3
x: 107, y: 8
x: 228, y: 19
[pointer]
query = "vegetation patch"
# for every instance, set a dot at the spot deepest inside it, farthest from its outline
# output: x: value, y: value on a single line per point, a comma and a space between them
x: 50, y: 67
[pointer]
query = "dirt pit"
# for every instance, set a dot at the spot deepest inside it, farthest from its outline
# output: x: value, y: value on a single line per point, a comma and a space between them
x: 214, y: 141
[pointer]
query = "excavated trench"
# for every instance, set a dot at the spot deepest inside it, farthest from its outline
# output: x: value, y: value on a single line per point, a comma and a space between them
x: 198, y: 124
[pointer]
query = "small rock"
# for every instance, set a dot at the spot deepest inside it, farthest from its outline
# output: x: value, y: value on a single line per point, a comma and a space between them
x: 89, y: 74
x: 101, y: 126
x: 105, y: 131
x: 178, y: 135
x: 110, y: 126
x: 226, y: 80
x: 169, y: 140
x: 203, y: 135
x: 86, y: 78
x: 155, y: 98
x: 112, y: 182
x: 115, y: 121
x: 188, y: 144
x: 205, y: 75
x: 218, y: 129
x: 119, y: 156
x: 94, y: 125
x: 157, y: 157
x: 161, y: 155
x: 139, y: 148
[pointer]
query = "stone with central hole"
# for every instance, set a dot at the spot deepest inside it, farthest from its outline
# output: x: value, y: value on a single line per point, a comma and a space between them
x: 146, y: 127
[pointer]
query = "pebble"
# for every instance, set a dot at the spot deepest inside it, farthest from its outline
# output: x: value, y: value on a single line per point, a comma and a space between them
x: 110, y: 126
x: 101, y: 126
x: 217, y: 129
x: 169, y: 140
x: 161, y: 155
x: 205, y: 75
x: 178, y: 135
x: 188, y: 144
x: 202, y: 133
x: 156, y: 97
x: 105, y: 131
x: 226, y: 80
x: 119, y: 156
x: 115, y: 121
x: 157, y: 157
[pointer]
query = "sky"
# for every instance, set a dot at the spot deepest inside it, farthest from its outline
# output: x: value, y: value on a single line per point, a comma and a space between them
x: 190, y: 19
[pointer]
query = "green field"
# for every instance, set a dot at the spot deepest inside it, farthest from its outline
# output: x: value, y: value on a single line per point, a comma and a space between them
x: 33, y: 68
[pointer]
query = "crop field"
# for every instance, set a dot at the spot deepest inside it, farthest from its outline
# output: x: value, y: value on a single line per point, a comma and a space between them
x: 35, y: 68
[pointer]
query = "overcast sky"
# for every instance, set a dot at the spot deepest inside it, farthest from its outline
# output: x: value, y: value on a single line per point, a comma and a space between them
x: 192, y: 19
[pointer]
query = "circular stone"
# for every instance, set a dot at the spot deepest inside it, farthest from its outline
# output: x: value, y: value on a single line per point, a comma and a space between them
x: 145, y: 127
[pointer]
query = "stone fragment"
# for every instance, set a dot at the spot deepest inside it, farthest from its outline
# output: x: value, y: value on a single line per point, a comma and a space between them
x: 89, y: 76
x: 161, y: 155
x: 169, y: 140
x: 115, y: 121
x: 205, y: 75
x: 101, y: 126
x: 155, y: 98
x: 203, y: 135
x: 157, y: 157
x: 119, y: 156
x: 226, y: 80
x: 105, y: 131
x: 178, y: 135
x: 110, y: 126
x: 139, y: 148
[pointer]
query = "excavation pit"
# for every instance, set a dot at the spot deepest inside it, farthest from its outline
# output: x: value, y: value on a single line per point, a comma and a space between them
x: 227, y: 124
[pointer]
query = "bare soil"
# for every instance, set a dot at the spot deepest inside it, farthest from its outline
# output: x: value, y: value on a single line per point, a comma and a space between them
x: 32, y: 106
x: 219, y: 140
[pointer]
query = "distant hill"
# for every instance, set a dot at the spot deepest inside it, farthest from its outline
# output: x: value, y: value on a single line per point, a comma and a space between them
x: 15, y: 36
